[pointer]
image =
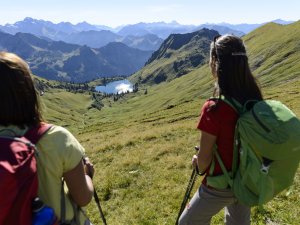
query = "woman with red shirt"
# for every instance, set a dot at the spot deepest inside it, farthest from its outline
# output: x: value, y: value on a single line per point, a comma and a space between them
x: 229, y: 66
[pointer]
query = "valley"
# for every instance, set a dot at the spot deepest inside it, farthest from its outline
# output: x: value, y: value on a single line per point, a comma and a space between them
x: 142, y: 144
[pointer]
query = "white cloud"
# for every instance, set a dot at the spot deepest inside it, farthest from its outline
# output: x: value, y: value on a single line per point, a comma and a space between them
x: 123, y: 88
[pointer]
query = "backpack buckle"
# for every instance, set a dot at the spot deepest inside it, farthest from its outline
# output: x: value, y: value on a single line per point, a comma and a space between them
x: 264, y: 169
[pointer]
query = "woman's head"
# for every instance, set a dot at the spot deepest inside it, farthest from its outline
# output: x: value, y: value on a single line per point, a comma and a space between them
x: 19, y: 99
x: 229, y: 64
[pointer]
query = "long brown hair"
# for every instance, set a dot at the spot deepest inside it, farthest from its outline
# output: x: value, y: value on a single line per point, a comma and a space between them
x: 19, y: 99
x: 229, y: 63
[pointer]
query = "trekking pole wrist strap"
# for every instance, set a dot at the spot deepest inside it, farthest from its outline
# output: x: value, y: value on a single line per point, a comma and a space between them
x: 198, y: 172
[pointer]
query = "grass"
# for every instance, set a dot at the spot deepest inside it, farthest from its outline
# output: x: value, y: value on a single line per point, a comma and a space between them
x: 142, y: 156
x: 142, y: 144
x: 275, y: 52
x: 66, y: 108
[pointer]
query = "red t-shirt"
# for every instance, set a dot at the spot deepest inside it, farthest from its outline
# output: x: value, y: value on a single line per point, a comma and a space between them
x: 219, y: 121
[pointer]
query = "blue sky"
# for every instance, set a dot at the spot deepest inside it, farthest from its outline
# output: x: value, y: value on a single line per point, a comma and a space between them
x: 119, y: 12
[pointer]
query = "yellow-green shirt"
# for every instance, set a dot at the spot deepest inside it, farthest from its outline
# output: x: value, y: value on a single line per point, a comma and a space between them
x: 59, y: 152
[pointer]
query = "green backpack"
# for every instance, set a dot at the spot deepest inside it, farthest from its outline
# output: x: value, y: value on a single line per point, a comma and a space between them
x: 266, y: 152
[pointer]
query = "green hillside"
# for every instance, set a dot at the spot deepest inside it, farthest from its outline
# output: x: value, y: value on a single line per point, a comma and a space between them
x: 275, y: 52
x: 178, y: 55
x: 142, y: 144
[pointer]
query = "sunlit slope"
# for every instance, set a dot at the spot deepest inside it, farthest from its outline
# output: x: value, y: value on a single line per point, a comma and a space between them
x: 141, y: 147
x: 66, y: 108
x: 275, y: 52
x: 142, y: 144
x: 142, y: 156
x: 178, y: 55
x: 274, y: 57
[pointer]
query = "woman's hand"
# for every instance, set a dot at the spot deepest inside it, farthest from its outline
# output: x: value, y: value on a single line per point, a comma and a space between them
x: 195, y: 161
x: 88, y: 167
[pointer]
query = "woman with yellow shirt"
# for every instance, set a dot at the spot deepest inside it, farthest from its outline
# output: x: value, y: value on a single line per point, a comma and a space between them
x: 61, y: 157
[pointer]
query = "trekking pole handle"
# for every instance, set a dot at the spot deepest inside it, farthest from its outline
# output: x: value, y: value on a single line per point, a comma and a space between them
x: 197, y: 148
x: 88, y: 167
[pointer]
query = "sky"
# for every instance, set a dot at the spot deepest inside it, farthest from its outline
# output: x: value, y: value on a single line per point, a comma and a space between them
x: 114, y: 13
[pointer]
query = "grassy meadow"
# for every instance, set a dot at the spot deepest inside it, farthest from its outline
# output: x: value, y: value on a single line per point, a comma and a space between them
x: 142, y: 144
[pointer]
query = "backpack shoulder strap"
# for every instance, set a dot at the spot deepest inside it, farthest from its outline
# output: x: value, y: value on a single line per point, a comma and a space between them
x: 35, y: 133
x: 228, y: 177
x: 224, y: 170
x: 233, y: 103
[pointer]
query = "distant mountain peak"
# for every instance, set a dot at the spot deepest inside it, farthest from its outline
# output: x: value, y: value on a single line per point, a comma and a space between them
x: 83, y: 23
x: 29, y: 19
x: 174, y: 22
x: 64, y: 23
x: 283, y: 22
x: 115, y: 44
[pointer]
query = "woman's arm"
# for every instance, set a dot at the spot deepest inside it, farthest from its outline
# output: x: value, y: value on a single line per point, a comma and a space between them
x: 79, y: 182
x: 205, y: 153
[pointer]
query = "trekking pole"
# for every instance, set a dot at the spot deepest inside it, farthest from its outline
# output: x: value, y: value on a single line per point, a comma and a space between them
x: 188, y: 190
x: 97, y: 200
x: 187, y: 194
x: 99, y: 207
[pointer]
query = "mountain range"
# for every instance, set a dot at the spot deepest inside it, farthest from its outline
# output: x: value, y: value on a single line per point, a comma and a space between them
x: 274, y: 54
x: 83, y: 51
x: 59, y: 31
x: 94, y: 36
x: 178, y: 55
x: 58, y: 60
x: 144, y: 36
